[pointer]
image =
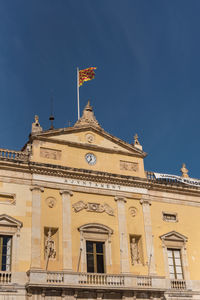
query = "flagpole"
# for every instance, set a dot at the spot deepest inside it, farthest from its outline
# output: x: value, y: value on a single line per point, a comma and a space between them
x: 78, y: 93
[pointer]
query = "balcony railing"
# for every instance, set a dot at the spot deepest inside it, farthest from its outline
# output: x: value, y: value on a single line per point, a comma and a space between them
x: 5, y: 277
x: 101, y: 279
x: 13, y: 155
x: 97, y: 280
x: 178, y: 284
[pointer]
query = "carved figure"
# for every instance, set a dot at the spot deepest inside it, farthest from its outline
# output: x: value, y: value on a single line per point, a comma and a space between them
x: 133, y: 211
x: 135, y: 259
x: 50, y: 249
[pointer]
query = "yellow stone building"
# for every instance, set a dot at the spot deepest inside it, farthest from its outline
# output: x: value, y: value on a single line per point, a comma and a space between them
x: 80, y: 218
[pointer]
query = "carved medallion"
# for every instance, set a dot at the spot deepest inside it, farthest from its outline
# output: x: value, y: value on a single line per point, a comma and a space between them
x: 90, y: 137
x: 51, y: 202
x: 133, y: 211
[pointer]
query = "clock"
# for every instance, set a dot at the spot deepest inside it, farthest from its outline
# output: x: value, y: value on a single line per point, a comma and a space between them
x: 90, y: 158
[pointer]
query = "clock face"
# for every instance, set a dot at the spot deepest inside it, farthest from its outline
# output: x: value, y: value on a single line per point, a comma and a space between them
x: 90, y: 158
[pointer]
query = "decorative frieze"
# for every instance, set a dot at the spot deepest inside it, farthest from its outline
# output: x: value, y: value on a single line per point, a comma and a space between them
x: 128, y: 166
x: 93, y: 207
x: 50, y: 153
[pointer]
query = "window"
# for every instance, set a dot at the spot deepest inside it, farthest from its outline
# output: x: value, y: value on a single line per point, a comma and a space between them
x: 170, y: 217
x: 175, y: 264
x: 95, y: 257
x: 5, y: 252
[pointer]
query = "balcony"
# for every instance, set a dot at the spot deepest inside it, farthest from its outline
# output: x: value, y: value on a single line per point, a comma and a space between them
x: 178, y: 284
x: 37, y: 278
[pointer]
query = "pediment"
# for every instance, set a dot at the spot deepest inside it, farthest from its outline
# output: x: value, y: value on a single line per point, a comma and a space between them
x: 8, y: 221
x: 95, y: 228
x: 88, y: 137
x: 173, y: 236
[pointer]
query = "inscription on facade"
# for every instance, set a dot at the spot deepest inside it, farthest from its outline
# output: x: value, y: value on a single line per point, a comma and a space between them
x: 50, y: 153
x: 128, y: 166
x: 93, y: 207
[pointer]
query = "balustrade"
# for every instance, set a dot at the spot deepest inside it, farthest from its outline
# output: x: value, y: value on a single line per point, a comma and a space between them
x: 178, y: 284
x: 13, y: 155
x: 5, y: 277
x: 101, y: 279
x: 55, y: 277
x: 144, y: 281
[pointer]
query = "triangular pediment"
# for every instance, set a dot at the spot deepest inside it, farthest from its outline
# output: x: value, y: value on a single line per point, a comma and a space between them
x: 6, y: 220
x: 88, y: 137
x: 173, y: 236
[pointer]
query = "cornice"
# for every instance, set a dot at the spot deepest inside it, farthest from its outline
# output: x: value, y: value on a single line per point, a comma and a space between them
x: 84, y: 174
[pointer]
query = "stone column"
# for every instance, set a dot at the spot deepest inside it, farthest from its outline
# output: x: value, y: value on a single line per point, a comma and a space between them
x: 66, y: 229
x: 36, y: 227
x: 145, y: 202
x: 123, y: 236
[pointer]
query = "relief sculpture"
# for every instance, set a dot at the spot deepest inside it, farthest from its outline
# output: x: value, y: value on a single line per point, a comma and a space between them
x: 135, y: 256
x: 93, y: 207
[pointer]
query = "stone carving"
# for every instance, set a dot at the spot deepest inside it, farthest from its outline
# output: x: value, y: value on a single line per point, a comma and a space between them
x: 36, y: 125
x: 50, y: 248
x: 135, y: 258
x: 78, y: 206
x: 128, y: 166
x: 51, y: 202
x: 93, y: 207
x: 90, y: 137
x: 184, y: 171
x: 133, y: 211
x: 50, y: 153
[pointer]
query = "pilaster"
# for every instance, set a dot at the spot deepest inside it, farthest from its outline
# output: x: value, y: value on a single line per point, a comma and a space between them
x: 36, y: 227
x: 123, y: 236
x: 66, y: 229
x: 145, y: 202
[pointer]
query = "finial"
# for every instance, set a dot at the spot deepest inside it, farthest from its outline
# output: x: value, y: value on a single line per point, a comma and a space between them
x: 36, y: 125
x: 184, y: 171
x: 136, y: 142
x: 87, y: 118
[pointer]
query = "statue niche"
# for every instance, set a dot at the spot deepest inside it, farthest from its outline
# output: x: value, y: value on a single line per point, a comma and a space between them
x: 135, y: 250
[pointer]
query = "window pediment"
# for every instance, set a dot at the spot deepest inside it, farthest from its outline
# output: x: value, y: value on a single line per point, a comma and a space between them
x: 95, y: 228
x: 174, y: 237
x: 7, y: 222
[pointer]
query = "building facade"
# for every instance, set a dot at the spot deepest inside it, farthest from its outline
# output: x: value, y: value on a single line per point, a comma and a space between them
x: 80, y: 218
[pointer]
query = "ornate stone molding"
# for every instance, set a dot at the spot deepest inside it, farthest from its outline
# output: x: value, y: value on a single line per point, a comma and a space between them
x: 93, y: 207
x: 145, y: 200
x: 120, y: 198
x: 37, y: 188
x: 68, y: 192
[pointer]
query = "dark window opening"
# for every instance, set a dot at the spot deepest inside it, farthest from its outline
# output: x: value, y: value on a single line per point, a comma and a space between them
x: 95, y: 257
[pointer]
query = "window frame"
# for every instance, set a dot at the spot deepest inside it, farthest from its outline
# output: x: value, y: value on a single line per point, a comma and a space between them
x: 95, y: 232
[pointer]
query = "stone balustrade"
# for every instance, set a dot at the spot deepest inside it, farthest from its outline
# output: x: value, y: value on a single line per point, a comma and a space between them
x: 178, y: 284
x: 5, y: 277
x: 96, y: 280
x: 13, y: 155
x: 101, y: 279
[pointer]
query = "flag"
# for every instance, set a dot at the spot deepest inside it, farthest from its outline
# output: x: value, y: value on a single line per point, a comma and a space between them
x: 86, y: 74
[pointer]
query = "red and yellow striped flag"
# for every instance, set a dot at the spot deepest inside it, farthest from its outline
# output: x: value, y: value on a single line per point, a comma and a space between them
x: 86, y: 74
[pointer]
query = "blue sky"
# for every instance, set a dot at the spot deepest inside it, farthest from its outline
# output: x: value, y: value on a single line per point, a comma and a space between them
x: 147, y: 55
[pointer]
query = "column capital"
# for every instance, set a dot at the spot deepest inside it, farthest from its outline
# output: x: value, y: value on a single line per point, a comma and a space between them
x: 67, y: 192
x: 36, y: 188
x: 145, y: 200
x: 120, y: 198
